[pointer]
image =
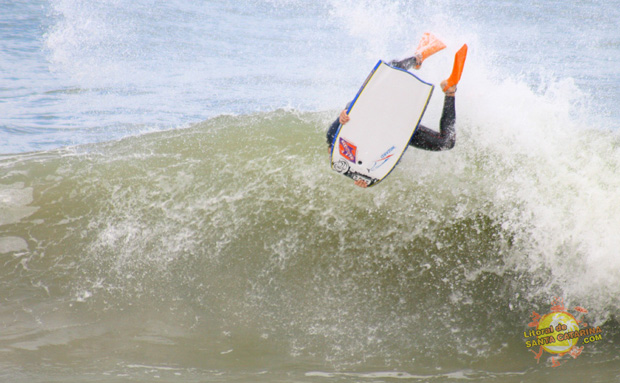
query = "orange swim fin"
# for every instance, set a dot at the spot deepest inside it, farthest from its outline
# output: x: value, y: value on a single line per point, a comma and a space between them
x: 457, y: 70
x: 429, y: 45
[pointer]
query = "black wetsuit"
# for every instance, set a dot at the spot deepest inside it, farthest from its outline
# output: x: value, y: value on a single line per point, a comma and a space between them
x: 424, y: 138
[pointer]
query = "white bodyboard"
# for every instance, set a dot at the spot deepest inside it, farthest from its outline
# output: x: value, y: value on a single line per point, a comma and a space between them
x: 384, y: 116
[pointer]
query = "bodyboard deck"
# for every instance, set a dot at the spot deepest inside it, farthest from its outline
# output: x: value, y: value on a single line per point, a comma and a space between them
x: 383, y: 118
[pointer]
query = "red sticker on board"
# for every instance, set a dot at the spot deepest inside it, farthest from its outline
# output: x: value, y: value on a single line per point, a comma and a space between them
x: 347, y: 149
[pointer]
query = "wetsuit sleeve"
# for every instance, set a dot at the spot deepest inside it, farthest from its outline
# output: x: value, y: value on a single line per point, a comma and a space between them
x: 333, y: 128
x: 331, y: 132
x: 428, y: 139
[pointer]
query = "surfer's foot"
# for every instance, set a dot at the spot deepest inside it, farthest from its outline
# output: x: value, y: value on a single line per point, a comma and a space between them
x: 418, y: 61
x: 449, y: 91
x: 429, y: 45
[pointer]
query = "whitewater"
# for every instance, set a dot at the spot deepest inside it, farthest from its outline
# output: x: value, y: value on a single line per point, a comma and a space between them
x: 168, y: 212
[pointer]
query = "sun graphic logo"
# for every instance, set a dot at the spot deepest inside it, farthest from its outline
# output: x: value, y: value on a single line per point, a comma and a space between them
x: 562, y: 323
x: 558, y: 332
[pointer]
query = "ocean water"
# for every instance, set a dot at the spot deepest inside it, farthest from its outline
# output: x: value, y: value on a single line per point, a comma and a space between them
x: 167, y: 210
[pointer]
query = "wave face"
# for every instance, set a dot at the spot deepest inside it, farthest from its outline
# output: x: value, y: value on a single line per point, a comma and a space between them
x: 232, y: 244
x: 169, y: 213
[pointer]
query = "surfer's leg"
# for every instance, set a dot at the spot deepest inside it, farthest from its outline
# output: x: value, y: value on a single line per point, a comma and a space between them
x: 428, y: 139
x: 429, y: 45
x: 407, y: 63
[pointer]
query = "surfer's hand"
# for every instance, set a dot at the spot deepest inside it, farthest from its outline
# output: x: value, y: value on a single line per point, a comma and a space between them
x: 344, y: 117
x: 361, y: 183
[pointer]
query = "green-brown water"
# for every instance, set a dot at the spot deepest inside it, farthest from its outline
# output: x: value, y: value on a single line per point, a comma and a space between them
x: 229, y: 251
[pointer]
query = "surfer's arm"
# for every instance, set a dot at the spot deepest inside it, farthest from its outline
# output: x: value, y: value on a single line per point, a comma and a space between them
x: 331, y: 132
x: 342, y: 119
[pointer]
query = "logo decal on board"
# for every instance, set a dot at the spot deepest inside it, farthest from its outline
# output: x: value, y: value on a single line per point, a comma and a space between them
x: 341, y: 166
x: 347, y: 149
x: 384, y: 158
